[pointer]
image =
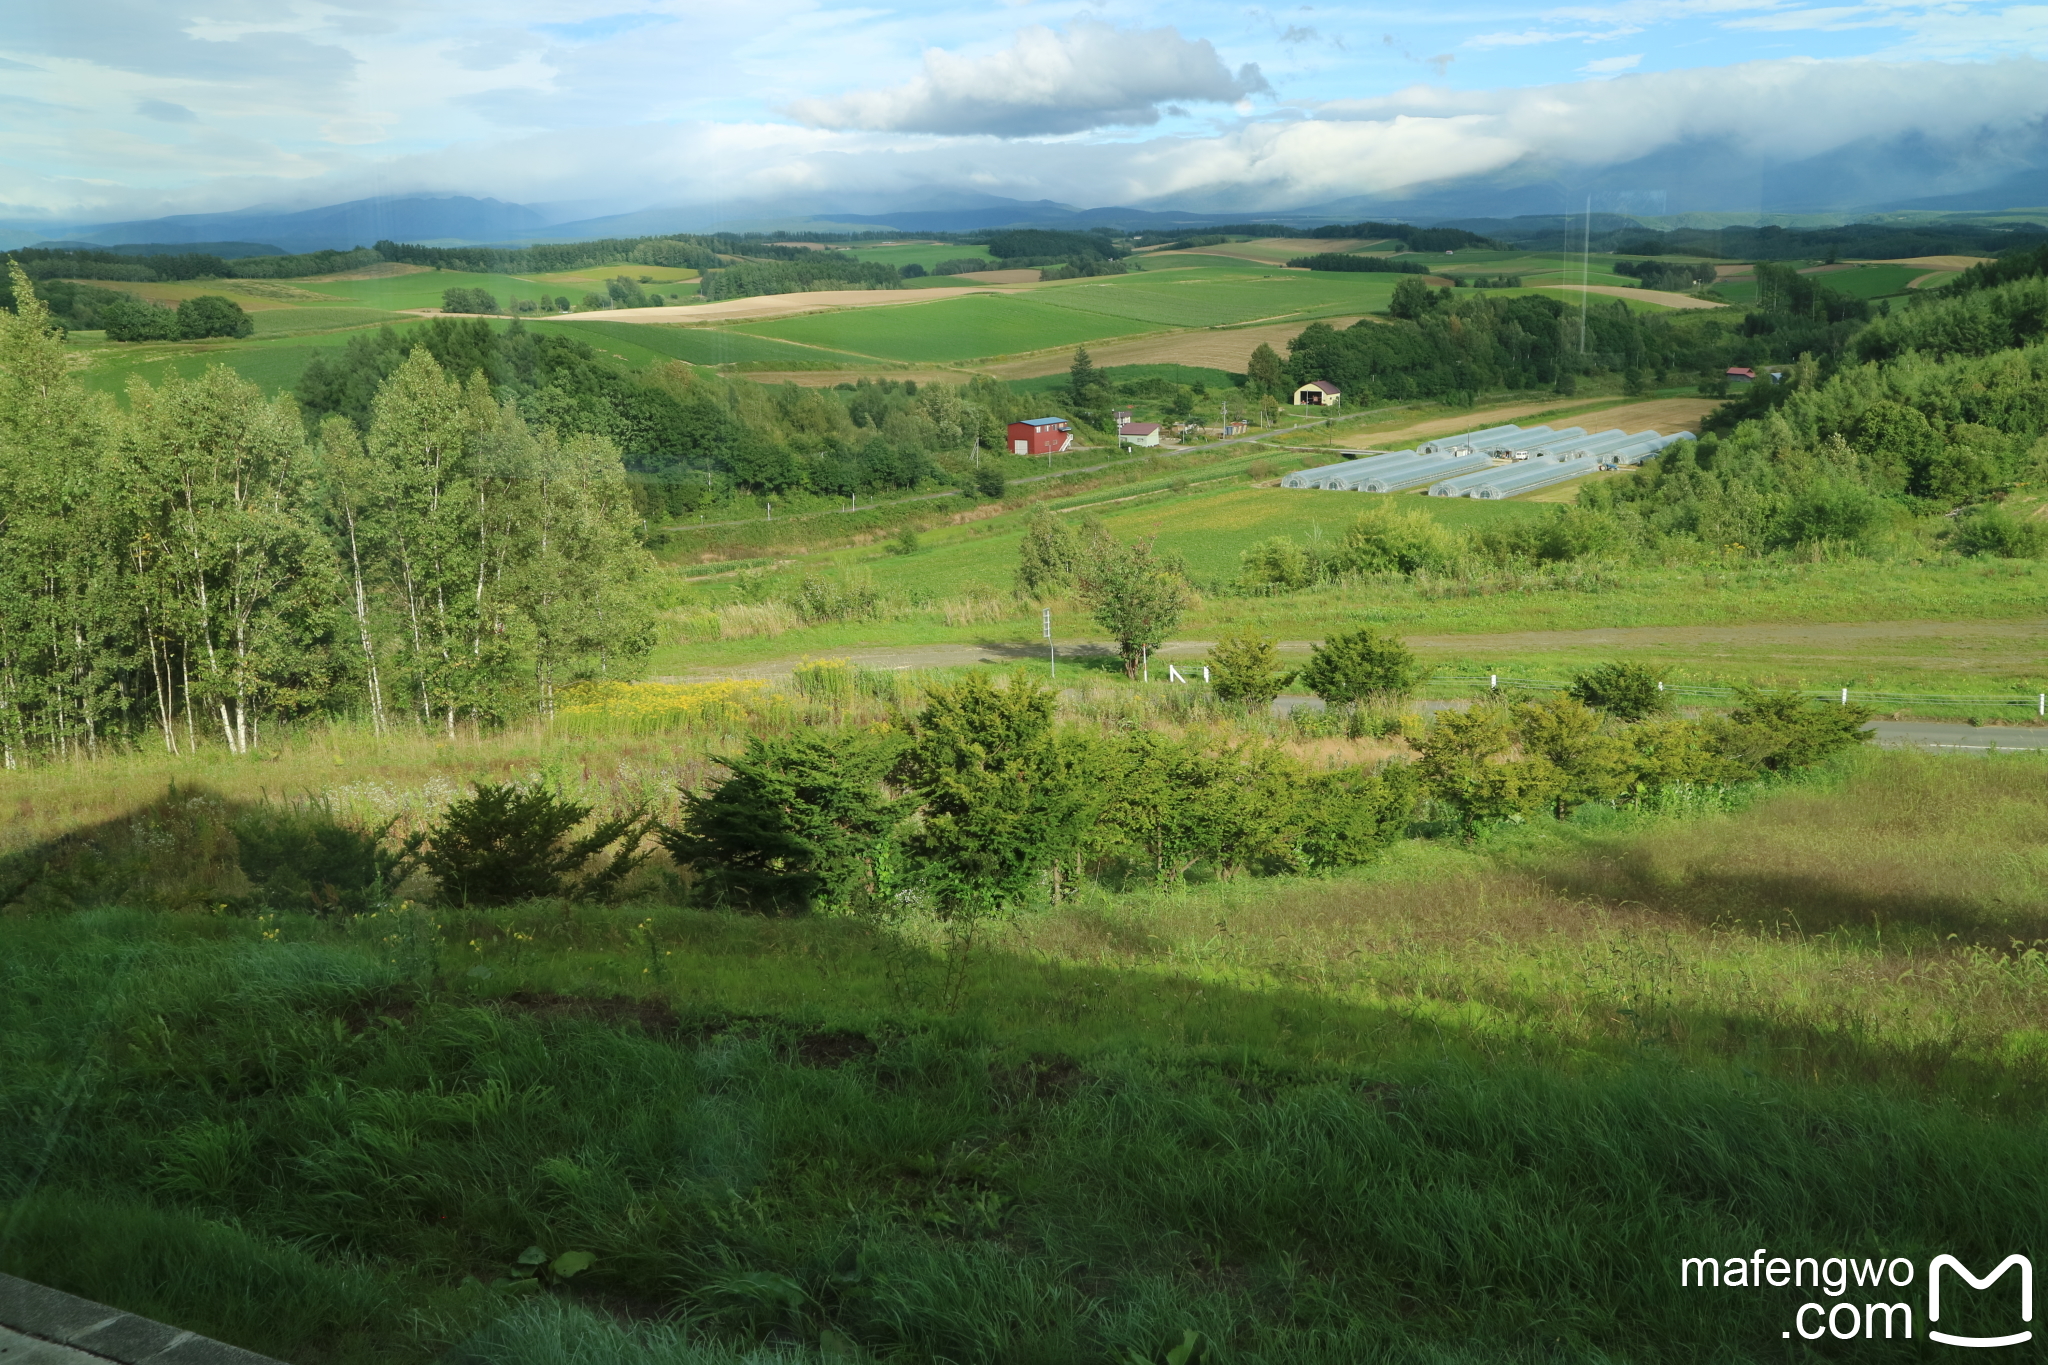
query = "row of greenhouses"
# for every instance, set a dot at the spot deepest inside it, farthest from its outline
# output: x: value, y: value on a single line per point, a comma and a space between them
x: 1498, y: 462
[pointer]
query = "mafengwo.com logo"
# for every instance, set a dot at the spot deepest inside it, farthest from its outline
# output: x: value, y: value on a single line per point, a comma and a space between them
x: 1874, y: 1298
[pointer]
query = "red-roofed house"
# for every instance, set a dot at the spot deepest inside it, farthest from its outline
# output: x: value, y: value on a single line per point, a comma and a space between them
x: 1317, y: 393
x: 1041, y: 436
x: 1738, y: 373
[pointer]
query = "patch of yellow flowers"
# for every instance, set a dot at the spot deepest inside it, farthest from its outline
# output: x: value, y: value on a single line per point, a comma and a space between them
x: 659, y: 703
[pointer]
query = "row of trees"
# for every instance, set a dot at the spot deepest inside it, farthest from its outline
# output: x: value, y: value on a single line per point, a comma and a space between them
x: 692, y: 432
x: 197, y: 565
x: 1448, y: 347
x: 209, y: 315
x: 1343, y: 261
x: 982, y: 799
x: 1679, y: 276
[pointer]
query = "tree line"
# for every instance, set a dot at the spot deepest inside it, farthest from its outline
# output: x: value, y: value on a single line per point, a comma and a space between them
x: 199, y: 566
x: 1451, y: 347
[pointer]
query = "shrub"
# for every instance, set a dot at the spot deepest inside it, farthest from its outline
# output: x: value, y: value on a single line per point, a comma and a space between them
x: 1364, y: 665
x: 904, y: 542
x: 1275, y: 564
x: 801, y: 818
x: 1461, y: 764
x: 210, y: 315
x: 1350, y: 815
x: 825, y: 599
x: 1995, y: 532
x: 304, y: 859
x: 507, y: 842
x: 1783, y: 730
x: 913, y: 271
x: 988, y: 481
x: 1242, y: 668
x: 1387, y: 540
x: 1625, y: 691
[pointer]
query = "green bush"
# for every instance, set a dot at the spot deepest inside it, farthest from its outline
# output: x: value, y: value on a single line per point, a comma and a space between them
x: 304, y: 859
x: 801, y: 818
x: 507, y: 842
x: 1626, y: 691
x: 1243, y: 668
x: 1363, y: 665
x: 1780, y: 731
x: 1996, y: 533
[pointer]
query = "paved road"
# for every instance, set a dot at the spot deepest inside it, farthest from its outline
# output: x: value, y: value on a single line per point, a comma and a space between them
x: 1938, y: 735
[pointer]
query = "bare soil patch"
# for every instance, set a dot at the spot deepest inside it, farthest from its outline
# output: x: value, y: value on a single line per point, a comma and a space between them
x: 1656, y: 296
x: 1936, y: 262
x: 997, y: 276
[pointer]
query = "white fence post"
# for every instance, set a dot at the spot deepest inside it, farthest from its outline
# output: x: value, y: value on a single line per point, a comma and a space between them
x: 1845, y: 696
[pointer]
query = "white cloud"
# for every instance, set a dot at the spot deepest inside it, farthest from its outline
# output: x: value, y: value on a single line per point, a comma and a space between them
x: 1091, y: 76
x: 1613, y: 66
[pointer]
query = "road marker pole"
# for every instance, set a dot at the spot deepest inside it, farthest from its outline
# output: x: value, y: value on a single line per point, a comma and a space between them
x: 1052, y: 663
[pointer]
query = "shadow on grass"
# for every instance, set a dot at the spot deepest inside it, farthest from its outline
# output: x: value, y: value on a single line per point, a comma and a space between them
x: 779, y: 1141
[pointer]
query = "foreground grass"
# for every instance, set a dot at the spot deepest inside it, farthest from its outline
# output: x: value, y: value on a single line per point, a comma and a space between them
x: 1471, y: 1105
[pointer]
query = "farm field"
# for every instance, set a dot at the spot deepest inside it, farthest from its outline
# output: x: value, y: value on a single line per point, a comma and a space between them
x: 948, y: 329
x: 1219, y: 298
x: 697, y: 345
x: 926, y: 254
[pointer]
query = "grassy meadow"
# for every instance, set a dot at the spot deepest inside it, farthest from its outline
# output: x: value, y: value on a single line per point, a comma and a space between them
x: 1469, y: 1103
x: 926, y: 254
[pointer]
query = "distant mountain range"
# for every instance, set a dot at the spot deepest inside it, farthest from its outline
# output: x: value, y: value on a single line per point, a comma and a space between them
x: 1698, y: 182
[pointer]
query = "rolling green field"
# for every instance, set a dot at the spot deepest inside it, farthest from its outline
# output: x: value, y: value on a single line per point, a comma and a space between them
x: 423, y: 289
x: 697, y: 345
x: 280, y: 322
x: 924, y: 254
x: 1214, y: 298
x: 1871, y: 281
x: 949, y: 329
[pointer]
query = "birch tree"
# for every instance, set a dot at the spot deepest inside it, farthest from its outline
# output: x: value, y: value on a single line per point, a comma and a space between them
x: 64, y: 639
x: 238, y: 569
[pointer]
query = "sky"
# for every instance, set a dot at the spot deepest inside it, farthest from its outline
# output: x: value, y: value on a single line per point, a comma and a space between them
x: 131, y: 108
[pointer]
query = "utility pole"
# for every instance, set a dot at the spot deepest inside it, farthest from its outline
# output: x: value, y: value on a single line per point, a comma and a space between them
x: 1052, y: 663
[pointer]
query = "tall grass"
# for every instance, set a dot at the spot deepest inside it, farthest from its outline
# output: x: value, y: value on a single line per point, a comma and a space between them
x: 1471, y: 1104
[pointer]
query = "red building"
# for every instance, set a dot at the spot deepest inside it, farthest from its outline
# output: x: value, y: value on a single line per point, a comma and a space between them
x: 1041, y: 436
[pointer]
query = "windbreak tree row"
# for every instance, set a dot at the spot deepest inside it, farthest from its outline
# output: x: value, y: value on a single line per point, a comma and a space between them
x: 198, y: 567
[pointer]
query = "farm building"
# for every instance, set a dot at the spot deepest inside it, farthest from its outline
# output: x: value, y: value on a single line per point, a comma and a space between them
x: 1138, y: 433
x: 1041, y: 436
x: 1739, y: 375
x: 1236, y: 426
x: 1317, y: 393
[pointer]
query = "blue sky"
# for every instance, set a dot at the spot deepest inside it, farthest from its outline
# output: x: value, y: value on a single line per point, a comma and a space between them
x: 118, y: 108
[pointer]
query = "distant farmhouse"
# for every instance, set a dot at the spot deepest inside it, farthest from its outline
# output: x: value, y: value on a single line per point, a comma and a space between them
x: 1138, y: 433
x: 1317, y: 393
x: 1041, y: 436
